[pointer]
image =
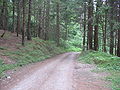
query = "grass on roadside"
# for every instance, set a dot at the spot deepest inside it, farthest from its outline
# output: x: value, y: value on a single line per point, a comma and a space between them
x: 3, y: 48
x: 73, y: 49
x: 4, y: 67
x: 108, y: 62
x: 34, y: 51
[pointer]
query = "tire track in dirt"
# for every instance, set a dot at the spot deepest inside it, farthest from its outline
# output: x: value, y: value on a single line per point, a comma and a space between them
x: 61, y: 72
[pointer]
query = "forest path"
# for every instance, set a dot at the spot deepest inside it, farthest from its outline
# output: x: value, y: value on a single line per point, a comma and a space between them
x: 61, y: 72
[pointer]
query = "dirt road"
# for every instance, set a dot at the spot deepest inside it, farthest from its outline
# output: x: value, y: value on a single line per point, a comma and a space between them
x: 61, y: 72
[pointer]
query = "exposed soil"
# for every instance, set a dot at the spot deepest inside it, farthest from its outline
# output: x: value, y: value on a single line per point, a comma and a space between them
x: 61, y: 72
x: 10, y: 42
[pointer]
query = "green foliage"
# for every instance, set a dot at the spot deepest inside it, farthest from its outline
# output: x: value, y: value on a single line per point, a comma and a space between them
x: 74, y: 49
x: 105, y: 60
x: 4, y: 67
x: 115, y: 79
x: 108, y: 62
x: 3, y: 48
x: 72, y: 45
x: 1, y: 62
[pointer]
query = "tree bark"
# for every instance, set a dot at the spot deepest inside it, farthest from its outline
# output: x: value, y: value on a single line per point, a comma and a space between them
x: 84, y: 32
x: 29, y: 21
x: 118, y: 45
x: 18, y: 18
x: 23, y: 29
x: 40, y: 22
x: 90, y: 22
x: 96, y: 28
x: 47, y: 22
x: 58, y: 24
x: 111, y: 28
x: 43, y: 20
x: 13, y: 16
x: 104, y: 32
x: 4, y: 17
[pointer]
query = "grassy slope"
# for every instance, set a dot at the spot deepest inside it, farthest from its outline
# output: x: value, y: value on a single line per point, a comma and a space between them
x: 34, y: 51
x: 106, y: 62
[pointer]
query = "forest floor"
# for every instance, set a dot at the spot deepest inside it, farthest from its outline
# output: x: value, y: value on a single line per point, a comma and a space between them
x: 62, y: 72
x: 10, y: 42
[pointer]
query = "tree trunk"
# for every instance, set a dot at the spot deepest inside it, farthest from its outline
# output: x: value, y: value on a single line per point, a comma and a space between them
x: 115, y: 43
x: 40, y: 20
x: 118, y: 45
x: 13, y: 16
x: 47, y: 22
x: 90, y: 22
x: 4, y: 17
x: 58, y: 24
x: 23, y: 29
x: 104, y: 32
x: 111, y: 28
x: 18, y: 18
x: 96, y: 28
x: 84, y: 35
x: 96, y: 38
x: 43, y: 20
x: 66, y: 23
x: 29, y: 21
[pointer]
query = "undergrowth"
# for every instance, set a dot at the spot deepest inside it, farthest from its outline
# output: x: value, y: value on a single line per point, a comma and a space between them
x: 34, y: 51
x: 4, y: 67
x: 71, y: 45
x: 109, y: 62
